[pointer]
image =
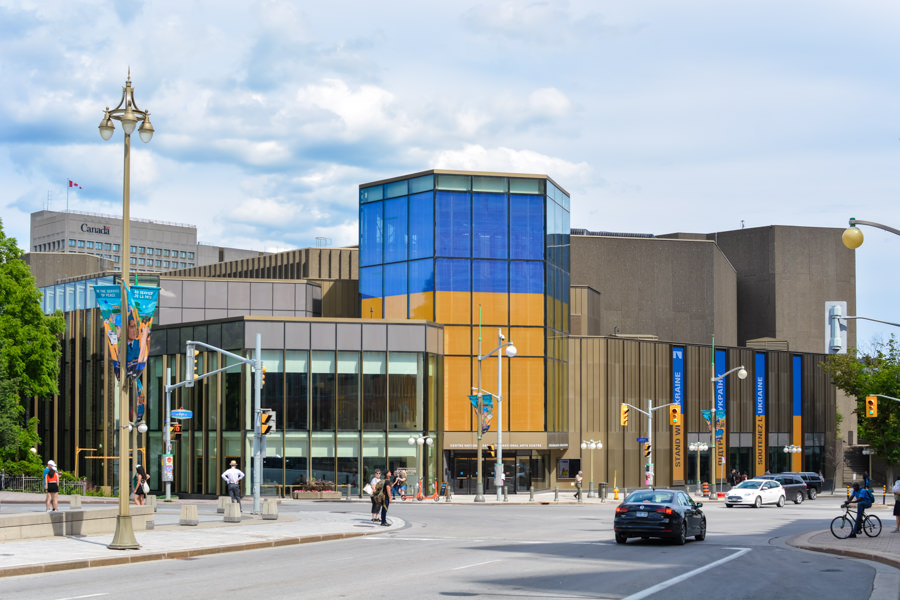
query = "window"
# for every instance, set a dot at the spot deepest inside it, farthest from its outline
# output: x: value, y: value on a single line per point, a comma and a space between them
x: 370, y: 233
x: 89, y: 245
x: 159, y: 251
x: 182, y: 254
x: 165, y: 263
x: 490, y: 226
x: 421, y: 225
x: 81, y: 243
x: 132, y: 260
x: 454, y: 224
x: 190, y: 255
x: 322, y: 390
x: 107, y: 246
x: 159, y: 263
x: 166, y: 252
x: 395, y: 229
x: 133, y: 249
x: 140, y: 261
x: 526, y: 227
x: 141, y: 250
x: 115, y: 247
x: 71, y: 243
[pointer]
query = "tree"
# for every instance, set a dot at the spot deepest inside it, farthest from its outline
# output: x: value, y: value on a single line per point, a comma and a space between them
x: 29, y: 348
x: 866, y: 375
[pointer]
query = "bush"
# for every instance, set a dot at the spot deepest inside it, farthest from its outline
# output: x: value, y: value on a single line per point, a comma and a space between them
x: 23, y: 467
x: 318, y: 485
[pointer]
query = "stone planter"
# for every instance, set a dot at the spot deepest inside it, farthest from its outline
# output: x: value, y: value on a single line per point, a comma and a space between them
x: 301, y: 495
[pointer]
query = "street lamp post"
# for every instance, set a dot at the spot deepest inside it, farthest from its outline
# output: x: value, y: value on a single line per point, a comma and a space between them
x: 698, y: 447
x: 869, y: 452
x: 591, y: 445
x: 713, y: 417
x: 418, y: 442
x: 853, y: 237
x: 510, y: 352
x: 128, y: 114
x: 792, y: 449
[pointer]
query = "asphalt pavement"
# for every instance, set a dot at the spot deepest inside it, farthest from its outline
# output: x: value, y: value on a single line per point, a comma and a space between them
x: 170, y: 540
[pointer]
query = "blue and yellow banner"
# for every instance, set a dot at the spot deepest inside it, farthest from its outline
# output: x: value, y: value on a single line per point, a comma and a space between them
x: 678, y: 446
x: 487, y: 410
x: 760, y: 445
x: 142, y: 300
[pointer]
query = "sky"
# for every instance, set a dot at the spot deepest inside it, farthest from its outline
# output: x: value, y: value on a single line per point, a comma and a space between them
x: 656, y: 116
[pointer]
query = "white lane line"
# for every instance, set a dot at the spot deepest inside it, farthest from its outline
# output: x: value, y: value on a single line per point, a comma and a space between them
x: 476, y: 564
x: 663, y: 585
x: 85, y: 596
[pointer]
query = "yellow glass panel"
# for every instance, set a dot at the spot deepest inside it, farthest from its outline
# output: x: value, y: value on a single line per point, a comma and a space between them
x: 526, y: 309
x: 529, y: 341
x: 457, y: 387
x: 453, y: 307
x: 395, y: 307
x: 421, y: 306
x: 457, y: 340
x: 371, y: 308
x: 526, y: 400
x: 494, y: 308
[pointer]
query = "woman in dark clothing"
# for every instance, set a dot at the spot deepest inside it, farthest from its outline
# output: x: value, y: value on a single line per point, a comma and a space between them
x: 140, y: 477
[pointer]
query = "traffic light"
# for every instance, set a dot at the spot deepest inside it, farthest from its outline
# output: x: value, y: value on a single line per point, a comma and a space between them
x: 263, y: 382
x: 491, y: 450
x: 871, y: 406
x: 647, y: 450
x: 192, y: 370
x: 675, y: 415
x: 174, y: 431
x: 623, y: 414
x: 266, y: 421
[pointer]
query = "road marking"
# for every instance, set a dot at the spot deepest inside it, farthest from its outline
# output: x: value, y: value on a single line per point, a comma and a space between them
x: 663, y: 585
x: 475, y: 565
x: 85, y: 596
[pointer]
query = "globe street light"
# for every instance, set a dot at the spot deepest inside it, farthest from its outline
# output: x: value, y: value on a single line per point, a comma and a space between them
x: 792, y: 449
x: 853, y: 237
x: 128, y: 114
x: 714, y: 418
x: 591, y: 445
x: 418, y: 442
x: 698, y: 447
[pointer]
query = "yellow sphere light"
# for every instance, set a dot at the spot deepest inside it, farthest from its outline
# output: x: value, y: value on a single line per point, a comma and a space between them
x: 852, y: 237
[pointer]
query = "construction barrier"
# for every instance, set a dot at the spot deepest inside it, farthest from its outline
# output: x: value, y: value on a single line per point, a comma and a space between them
x: 706, y: 489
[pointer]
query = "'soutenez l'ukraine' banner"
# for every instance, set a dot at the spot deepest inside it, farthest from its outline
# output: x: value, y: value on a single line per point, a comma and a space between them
x: 142, y: 300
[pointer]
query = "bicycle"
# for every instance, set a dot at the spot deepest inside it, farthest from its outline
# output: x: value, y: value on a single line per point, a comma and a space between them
x: 843, y: 526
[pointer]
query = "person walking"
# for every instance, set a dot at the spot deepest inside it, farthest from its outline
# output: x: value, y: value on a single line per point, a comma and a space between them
x: 867, y: 481
x: 376, y: 508
x: 232, y: 479
x: 896, y: 491
x: 140, y: 478
x: 399, y: 487
x: 734, y: 478
x: 51, y: 486
x: 382, y: 496
x: 579, y: 479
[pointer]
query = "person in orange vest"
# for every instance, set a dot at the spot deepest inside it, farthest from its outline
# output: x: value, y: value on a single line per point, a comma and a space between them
x: 51, y: 485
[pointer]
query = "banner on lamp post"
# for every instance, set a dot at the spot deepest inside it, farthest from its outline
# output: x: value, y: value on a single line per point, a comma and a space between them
x: 142, y: 300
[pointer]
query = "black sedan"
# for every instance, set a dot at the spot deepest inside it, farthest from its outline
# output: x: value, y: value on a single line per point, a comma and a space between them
x: 670, y: 514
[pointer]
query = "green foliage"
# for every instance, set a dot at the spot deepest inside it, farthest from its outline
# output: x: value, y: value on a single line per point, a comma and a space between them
x: 866, y: 375
x: 29, y: 351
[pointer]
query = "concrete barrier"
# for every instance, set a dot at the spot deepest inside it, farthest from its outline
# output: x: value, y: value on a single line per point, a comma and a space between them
x: 223, y: 500
x: 189, y: 515
x: 232, y: 512
x: 270, y: 509
x: 151, y: 501
x: 75, y: 502
x: 86, y: 521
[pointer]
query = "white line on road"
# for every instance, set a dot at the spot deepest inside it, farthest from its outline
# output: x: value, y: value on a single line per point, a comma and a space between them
x: 85, y: 596
x: 475, y: 565
x: 663, y: 585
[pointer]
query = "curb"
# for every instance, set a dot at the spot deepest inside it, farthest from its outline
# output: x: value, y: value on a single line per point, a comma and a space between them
x: 803, y: 541
x: 177, y: 554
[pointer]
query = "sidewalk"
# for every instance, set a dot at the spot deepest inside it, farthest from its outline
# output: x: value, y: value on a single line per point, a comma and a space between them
x: 168, y: 540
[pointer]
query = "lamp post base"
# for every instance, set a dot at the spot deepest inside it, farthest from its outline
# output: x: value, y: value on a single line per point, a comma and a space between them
x: 124, y: 537
x: 479, y: 492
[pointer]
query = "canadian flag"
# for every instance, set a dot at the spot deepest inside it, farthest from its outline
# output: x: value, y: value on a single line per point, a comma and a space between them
x: 72, y: 184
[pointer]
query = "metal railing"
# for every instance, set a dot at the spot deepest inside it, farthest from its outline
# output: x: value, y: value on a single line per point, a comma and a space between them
x: 35, y: 485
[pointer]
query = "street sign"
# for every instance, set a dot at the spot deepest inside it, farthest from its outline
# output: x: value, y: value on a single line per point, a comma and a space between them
x: 642, y: 440
x: 182, y: 413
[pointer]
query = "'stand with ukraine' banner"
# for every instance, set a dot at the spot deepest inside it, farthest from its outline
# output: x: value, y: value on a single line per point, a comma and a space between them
x: 142, y: 300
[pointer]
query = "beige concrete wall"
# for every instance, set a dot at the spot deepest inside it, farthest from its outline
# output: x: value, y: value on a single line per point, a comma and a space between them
x: 87, y: 521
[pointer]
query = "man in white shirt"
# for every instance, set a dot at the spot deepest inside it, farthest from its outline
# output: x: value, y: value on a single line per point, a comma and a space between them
x: 232, y: 479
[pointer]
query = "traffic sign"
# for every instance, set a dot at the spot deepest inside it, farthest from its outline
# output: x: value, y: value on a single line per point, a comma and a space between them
x: 642, y: 440
x: 182, y: 413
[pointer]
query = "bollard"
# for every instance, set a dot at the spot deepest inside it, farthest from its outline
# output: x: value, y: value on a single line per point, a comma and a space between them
x: 616, y: 493
x: 151, y: 501
x: 270, y: 509
x: 556, y: 494
x: 75, y: 502
x: 505, y: 497
x: 223, y: 500
x: 189, y: 515
x: 706, y: 489
x: 233, y: 513
x: 531, y: 493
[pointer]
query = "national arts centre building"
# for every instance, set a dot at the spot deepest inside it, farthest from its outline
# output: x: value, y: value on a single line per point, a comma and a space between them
x: 374, y: 353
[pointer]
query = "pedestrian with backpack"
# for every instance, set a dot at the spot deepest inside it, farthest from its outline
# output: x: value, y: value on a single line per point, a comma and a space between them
x: 863, y: 499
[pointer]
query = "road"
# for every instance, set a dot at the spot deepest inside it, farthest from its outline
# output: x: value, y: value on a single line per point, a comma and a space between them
x: 500, y: 552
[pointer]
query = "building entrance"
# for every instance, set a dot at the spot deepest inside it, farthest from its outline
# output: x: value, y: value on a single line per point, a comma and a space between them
x: 465, y: 472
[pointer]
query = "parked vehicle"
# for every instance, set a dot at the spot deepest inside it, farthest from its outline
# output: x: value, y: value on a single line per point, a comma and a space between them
x: 814, y: 483
x: 794, y: 487
x: 755, y: 492
x: 670, y: 514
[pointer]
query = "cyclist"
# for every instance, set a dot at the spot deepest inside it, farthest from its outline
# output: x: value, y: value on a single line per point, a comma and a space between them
x: 863, y: 499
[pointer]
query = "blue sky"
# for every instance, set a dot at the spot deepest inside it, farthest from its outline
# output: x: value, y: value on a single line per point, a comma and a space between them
x: 656, y: 116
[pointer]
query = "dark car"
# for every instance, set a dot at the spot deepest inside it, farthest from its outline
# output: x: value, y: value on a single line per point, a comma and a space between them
x: 794, y: 487
x: 814, y: 483
x: 670, y: 514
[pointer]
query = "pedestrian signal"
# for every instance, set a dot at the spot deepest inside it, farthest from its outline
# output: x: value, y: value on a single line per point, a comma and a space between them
x: 623, y: 414
x: 191, y: 364
x: 266, y: 421
x: 675, y: 415
x: 871, y: 406
x: 174, y: 431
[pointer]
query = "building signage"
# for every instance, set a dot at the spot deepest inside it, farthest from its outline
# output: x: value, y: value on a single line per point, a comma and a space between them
x: 759, y: 438
x: 102, y: 230
x: 678, y: 398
